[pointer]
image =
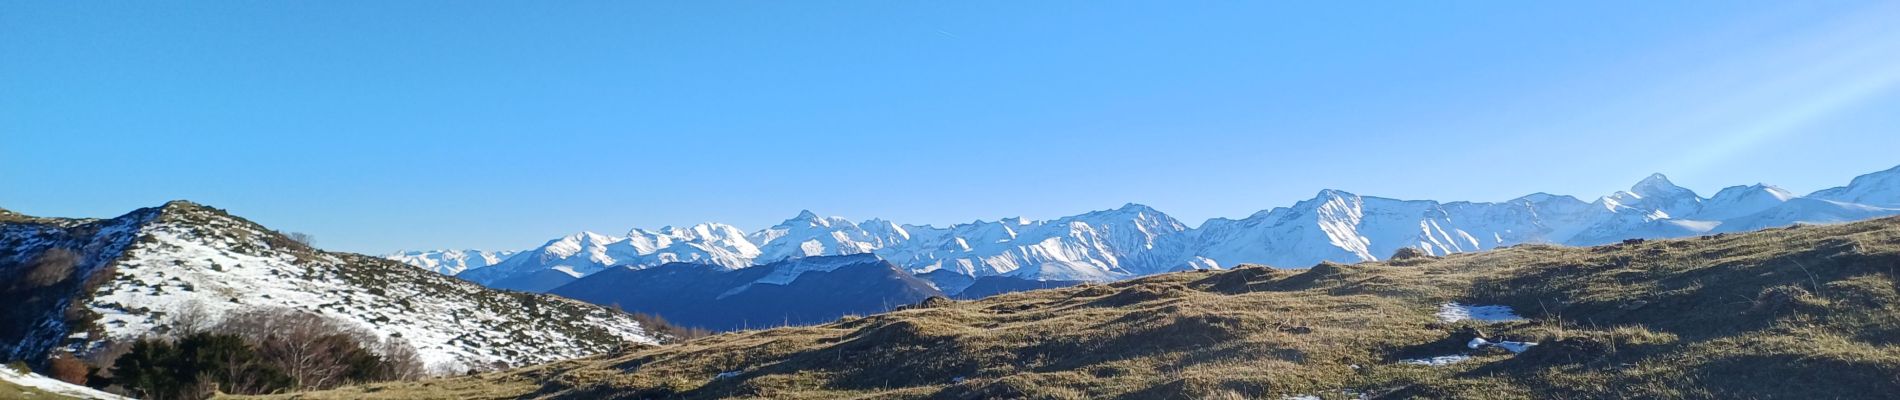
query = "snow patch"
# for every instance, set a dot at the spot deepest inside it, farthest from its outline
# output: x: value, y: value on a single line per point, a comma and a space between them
x: 1454, y: 312
x: 1438, y: 361
x: 50, y: 385
x: 1514, y: 347
x: 1348, y: 393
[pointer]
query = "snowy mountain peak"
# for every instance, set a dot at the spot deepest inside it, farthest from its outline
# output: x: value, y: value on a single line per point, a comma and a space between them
x: 807, y: 219
x: 1657, y: 185
x: 1737, y: 201
x: 709, y: 231
x: 810, y: 235
x: 885, y: 230
x: 588, y: 252
x: 1653, y: 198
x: 569, y: 245
x: 1758, y: 189
x: 1135, y: 207
x: 1541, y: 199
x: 450, y: 262
x: 1879, y: 189
x: 1538, y: 197
x: 583, y: 238
x: 1333, y: 194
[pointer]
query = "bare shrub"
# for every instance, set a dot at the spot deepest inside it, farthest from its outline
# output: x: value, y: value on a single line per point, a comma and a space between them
x: 191, y: 318
x: 1406, y: 253
x: 673, y: 333
x: 50, y: 267
x: 290, y: 241
x: 193, y: 367
x: 63, y: 366
x: 401, y: 362
x: 300, y: 237
x: 1778, y: 299
x: 103, y: 357
x: 320, y: 352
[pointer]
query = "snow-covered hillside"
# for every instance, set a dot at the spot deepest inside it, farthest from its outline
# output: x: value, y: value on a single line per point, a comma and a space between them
x: 137, y: 274
x: 1136, y: 240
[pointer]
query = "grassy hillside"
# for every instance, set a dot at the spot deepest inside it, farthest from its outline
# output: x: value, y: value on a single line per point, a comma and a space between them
x: 1807, y: 311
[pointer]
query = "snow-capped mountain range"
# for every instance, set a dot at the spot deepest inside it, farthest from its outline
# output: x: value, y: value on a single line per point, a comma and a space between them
x: 1136, y: 240
x: 451, y: 262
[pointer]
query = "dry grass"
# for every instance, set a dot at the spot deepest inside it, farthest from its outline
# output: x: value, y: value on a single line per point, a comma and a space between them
x: 1809, y: 312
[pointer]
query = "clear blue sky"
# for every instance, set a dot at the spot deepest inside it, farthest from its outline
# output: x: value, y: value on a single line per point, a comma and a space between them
x: 379, y: 125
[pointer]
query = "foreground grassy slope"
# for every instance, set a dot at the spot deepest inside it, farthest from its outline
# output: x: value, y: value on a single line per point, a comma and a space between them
x: 1808, y: 311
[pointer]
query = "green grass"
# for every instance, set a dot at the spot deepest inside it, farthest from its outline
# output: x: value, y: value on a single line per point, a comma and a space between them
x: 1809, y: 312
x: 10, y: 390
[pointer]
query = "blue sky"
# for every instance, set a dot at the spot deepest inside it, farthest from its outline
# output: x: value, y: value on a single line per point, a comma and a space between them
x: 379, y: 126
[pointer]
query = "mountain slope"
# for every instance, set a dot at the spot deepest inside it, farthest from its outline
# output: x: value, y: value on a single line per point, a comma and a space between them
x: 583, y: 253
x: 1805, y: 312
x: 798, y: 291
x: 1879, y: 189
x: 808, y: 235
x: 1133, y: 240
x: 138, y: 274
x: 1345, y: 227
x: 1739, y: 201
x: 1804, y: 211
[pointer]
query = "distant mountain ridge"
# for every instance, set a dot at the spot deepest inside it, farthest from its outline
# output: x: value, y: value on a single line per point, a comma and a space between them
x: 450, y: 262
x: 1136, y: 240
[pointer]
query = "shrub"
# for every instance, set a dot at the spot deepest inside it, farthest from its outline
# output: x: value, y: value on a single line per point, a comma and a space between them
x: 263, y: 351
x: 1778, y: 299
x: 296, y: 242
x: 321, y: 352
x: 673, y: 333
x: 51, y: 267
x: 197, y: 363
x: 400, y: 361
x: 65, y: 367
x: 1407, y: 253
